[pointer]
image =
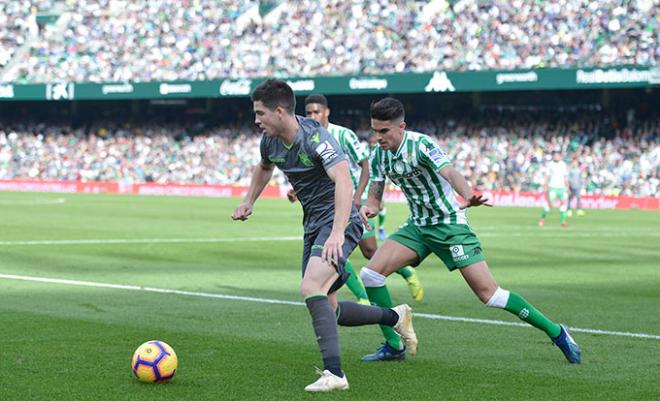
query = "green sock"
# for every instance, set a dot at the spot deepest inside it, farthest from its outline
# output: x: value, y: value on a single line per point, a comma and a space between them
x: 562, y: 217
x: 528, y: 313
x: 405, y: 272
x: 381, y: 218
x: 381, y: 297
x: 353, y: 283
x: 544, y: 214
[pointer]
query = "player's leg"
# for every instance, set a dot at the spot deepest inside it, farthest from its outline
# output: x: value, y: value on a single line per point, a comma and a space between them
x: 368, y: 246
x: 317, y: 280
x: 355, y: 285
x: 578, y: 197
x: 547, y: 203
x: 414, y: 284
x: 563, y: 207
x: 459, y: 248
x: 483, y: 284
x: 382, y: 214
x: 402, y: 249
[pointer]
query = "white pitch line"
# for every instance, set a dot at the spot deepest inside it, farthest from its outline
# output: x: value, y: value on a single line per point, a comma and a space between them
x: 144, y: 241
x: 283, y: 302
x: 128, y: 241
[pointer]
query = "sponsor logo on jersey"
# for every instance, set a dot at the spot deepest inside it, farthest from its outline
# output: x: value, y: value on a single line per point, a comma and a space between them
x: 316, y: 138
x: 326, y: 151
x: 436, y: 155
x: 276, y: 159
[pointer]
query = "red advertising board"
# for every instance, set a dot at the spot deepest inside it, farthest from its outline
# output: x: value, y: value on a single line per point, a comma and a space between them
x: 497, y: 198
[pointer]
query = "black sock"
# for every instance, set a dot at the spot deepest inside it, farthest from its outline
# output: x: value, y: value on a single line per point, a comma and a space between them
x: 325, y: 327
x: 354, y: 314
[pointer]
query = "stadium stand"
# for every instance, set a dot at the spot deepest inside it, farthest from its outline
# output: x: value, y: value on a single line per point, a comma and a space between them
x: 117, y: 40
x: 493, y: 154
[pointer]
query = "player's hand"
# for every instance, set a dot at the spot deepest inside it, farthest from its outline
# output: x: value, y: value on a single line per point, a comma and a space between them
x: 291, y: 195
x: 365, y: 214
x: 475, y: 200
x: 332, y: 249
x: 242, y: 212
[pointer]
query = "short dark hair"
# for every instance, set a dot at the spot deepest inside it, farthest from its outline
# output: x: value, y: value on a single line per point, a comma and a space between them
x: 274, y: 93
x: 316, y: 98
x: 387, y: 109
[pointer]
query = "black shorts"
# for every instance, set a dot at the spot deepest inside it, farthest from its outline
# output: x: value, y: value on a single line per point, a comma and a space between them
x: 314, y: 241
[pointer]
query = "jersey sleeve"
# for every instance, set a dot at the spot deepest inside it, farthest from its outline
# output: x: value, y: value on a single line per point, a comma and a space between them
x: 354, y: 149
x: 263, y: 149
x: 375, y: 162
x: 325, y: 149
x: 431, y: 155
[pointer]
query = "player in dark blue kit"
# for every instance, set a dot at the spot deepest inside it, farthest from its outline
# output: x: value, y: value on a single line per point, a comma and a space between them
x: 319, y: 173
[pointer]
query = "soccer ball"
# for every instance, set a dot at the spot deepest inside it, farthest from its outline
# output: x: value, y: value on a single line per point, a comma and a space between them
x: 154, y: 362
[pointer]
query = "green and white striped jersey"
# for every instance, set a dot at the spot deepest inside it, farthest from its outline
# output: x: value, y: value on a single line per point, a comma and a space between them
x: 415, y: 168
x: 355, y: 151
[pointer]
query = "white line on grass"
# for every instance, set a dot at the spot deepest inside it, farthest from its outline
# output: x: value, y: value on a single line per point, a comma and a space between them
x: 33, y: 201
x: 144, y: 241
x: 112, y: 241
x: 283, y: 302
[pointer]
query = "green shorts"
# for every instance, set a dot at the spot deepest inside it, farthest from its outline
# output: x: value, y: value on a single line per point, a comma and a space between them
x: 368, y: 234
x: 456, y: 244
x: 557, y: 193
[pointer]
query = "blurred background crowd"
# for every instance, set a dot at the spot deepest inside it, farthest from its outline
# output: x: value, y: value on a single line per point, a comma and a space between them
x: 142, y: 40
x: 494, y: 154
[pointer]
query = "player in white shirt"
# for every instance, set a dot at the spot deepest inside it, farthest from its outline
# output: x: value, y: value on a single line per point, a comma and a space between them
x: 556, y: 188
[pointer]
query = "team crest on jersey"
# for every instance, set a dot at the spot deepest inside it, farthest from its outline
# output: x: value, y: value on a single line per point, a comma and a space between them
x: 399, y: 167
x: 304, y: 159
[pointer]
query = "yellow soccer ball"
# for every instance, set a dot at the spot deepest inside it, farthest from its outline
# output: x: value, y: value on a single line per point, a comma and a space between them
x: 154, y: 362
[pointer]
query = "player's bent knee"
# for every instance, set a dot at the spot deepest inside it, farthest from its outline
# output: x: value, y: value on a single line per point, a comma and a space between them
x: 498, y: 299
x: 368, y: 252
x: 371, y: 278
x: 308, y: 288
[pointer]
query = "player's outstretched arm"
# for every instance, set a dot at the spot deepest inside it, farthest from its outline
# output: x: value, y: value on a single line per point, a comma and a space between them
x: 462, y: 187
x: 260, y: 177
x: 339, y: 173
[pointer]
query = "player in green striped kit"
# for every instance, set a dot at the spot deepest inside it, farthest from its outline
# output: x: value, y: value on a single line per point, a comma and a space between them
x: 437, y: 224
x: 316, y: 107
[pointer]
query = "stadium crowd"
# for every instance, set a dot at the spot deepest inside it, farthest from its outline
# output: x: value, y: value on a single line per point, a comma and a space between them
x: 493, y: 155
x: 120, y: 40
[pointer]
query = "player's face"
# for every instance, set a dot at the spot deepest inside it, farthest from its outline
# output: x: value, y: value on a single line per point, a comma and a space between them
x: 388, y: 134
x: 557, y: 157
x: 269, y: 121
x: 318, y: 112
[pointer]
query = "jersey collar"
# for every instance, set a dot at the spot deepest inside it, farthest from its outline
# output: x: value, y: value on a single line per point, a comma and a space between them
x: 402, y: 144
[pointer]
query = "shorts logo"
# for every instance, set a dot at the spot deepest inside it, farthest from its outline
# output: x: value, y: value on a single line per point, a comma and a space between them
x: 457, y: 253
x: 326, y: 151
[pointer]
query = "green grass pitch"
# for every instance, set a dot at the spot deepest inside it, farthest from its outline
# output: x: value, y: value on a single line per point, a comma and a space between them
x: 72, y: 342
